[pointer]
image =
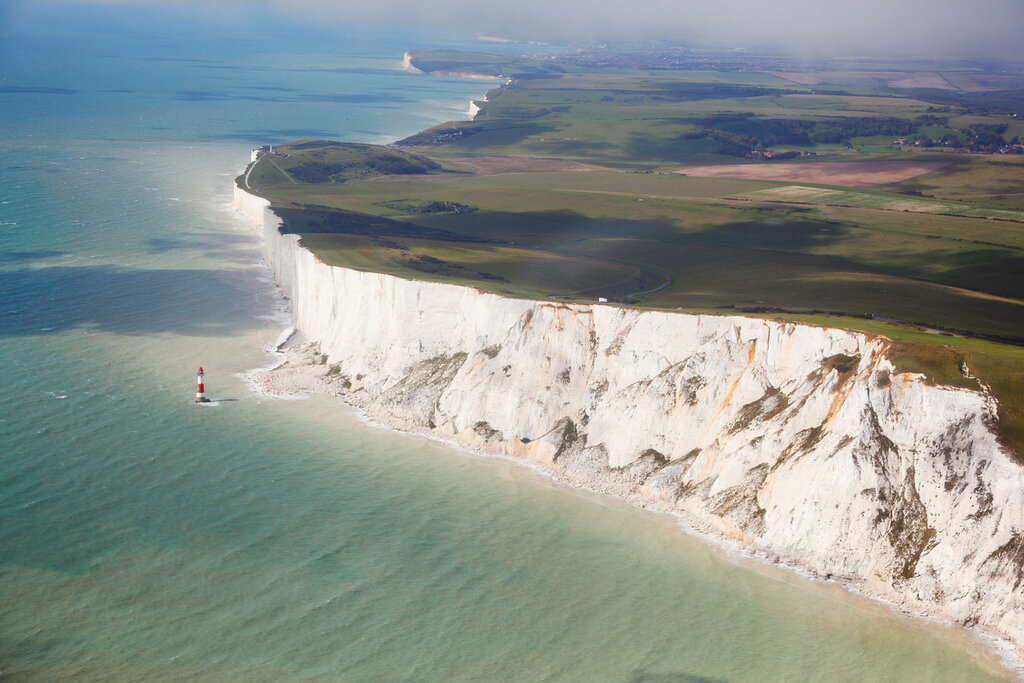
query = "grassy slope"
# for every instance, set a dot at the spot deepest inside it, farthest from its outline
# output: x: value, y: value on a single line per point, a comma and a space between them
x: 496, y: 66
x: 319, y: 162
x: 828, y: 258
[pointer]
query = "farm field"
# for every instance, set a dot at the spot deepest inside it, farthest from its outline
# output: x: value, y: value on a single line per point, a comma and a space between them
x: 653, y: 189
x: 847, y: 174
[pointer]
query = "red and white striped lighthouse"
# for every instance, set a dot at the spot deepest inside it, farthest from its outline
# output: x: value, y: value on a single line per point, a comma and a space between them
x: 200, y: 391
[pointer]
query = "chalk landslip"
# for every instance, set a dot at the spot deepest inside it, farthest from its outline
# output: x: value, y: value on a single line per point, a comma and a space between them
x: 802, y: 444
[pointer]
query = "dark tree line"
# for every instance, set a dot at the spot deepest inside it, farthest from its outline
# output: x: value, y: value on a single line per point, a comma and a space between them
x: 744, y: 134
x: 741, y: 134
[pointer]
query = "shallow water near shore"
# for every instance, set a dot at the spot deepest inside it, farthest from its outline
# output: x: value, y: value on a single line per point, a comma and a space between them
x: 143, y: 537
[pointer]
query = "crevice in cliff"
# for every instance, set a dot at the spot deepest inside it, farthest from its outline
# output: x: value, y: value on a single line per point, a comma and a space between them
x: 1008, y: 560
x: 751, y: 354
x: 771, y: 404
x: 738, y: 504
x: 569, y: 437
x: 908, y: 533
x: 416, y: 396
x: 620, y: 339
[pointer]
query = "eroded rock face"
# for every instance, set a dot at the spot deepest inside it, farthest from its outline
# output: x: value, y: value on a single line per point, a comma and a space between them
x: 800, y: 443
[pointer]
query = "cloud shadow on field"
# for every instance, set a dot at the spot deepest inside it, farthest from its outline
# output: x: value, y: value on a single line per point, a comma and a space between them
x: 120, y: 300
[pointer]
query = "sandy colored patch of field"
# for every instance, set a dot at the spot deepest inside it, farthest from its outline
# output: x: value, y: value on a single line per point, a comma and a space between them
x: 978, y: 82
x: 848, y: 174
x: 895, y: 79
x: 501, y: 165
x: 873, y: 200
x: 922, y: 80
x: 801, y: 77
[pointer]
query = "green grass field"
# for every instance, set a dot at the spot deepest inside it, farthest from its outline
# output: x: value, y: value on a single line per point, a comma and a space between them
x: 319, y: 162
x: 504, y: 269
x: 561, y: 187
x: 802, y: 194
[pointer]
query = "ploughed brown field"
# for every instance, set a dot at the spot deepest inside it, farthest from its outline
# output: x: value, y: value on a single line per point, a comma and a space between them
x: 848, y: 174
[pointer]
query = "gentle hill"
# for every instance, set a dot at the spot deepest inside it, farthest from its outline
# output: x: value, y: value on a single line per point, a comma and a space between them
x: 324, y: 161
x: 455, y: 63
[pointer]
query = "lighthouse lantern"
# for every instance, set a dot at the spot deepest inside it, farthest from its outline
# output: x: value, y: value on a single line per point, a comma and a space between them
x: 200, y: 390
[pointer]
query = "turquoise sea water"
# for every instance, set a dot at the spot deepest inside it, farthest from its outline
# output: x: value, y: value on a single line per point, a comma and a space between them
x: 143, y: 537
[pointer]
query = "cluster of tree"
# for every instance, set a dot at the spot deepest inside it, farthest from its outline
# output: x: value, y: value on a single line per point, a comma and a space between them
x: 984, y: 102
x: 439, y: 136
x: 411, y: 206
x: 986, y: 136
x: 978, y: 137
x: 743, y: 133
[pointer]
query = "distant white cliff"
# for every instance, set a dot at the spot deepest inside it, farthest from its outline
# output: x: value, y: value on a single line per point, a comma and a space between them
x: 802, y: 444
x: 407, y: 64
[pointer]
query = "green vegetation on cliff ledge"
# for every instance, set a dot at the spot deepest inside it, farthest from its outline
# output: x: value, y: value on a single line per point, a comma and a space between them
x: 627, y: 186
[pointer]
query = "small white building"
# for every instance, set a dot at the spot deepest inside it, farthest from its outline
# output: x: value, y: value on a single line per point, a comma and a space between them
x: 265, y: 149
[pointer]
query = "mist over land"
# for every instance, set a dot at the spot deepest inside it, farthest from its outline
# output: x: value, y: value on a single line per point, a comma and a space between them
x: 826, y: 28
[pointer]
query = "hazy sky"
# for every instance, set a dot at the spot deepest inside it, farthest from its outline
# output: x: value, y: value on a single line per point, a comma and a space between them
x: 827, y: 27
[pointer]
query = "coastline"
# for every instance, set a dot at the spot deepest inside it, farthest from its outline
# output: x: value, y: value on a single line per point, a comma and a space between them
x: 306, y: 377
x: 407, y: 65
x: 299, y: 372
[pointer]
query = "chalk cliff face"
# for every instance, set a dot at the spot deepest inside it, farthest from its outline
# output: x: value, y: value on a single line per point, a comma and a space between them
x: 800, y: 443
x: 407, y: 64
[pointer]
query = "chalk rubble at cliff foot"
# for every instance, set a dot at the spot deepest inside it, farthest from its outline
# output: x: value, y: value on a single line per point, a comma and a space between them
x: 799, y: 443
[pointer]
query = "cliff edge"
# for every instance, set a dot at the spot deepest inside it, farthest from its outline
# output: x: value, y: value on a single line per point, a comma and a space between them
x: 802, y: 444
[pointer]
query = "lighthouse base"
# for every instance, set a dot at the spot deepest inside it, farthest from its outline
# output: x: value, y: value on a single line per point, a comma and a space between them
x: 202, y: 399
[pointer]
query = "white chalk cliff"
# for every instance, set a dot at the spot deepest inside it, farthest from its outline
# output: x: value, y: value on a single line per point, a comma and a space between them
x: 407, y: 64
x: 800, y: 443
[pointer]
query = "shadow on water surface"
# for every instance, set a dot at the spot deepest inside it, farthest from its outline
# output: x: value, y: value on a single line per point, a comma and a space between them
x: 129, y: 301
x: 225, y: 248
x: 673, y: 678
x: 337, y: 98
x: 35, y: 90
x: 24, y: 256
x: 272, y: 136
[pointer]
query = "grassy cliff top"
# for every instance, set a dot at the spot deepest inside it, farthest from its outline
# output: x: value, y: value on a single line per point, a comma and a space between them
x: 315, y: 162
x: 714, y: 192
